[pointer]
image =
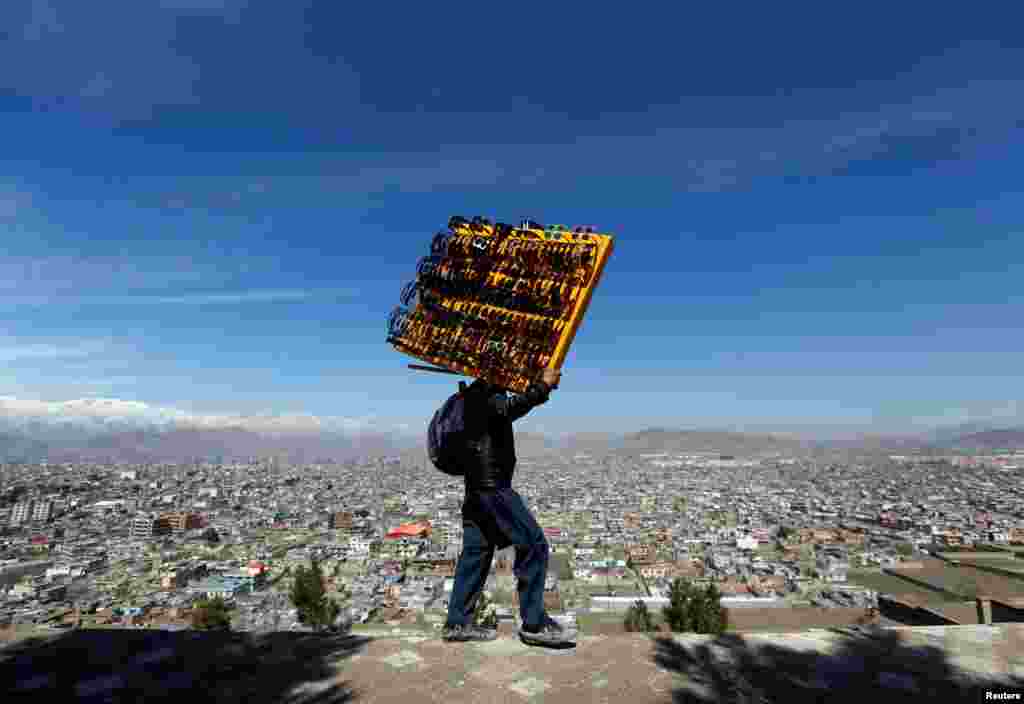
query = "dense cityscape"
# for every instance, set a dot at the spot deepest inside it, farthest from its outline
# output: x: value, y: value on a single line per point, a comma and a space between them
x: 784, y: 539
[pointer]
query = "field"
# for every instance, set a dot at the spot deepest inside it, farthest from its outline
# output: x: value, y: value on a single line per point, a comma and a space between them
x: 964, y: 580
x: 890, y: 584
x: 623, y: 587
x: 592, y: 622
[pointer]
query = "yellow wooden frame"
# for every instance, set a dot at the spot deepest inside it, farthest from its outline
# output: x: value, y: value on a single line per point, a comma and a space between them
x: 604, y: 245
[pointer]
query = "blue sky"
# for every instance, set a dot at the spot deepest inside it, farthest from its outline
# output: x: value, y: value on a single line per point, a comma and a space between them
x: 213, y: 205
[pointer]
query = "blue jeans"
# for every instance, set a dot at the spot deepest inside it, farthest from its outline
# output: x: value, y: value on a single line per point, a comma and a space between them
x: 493, y: 521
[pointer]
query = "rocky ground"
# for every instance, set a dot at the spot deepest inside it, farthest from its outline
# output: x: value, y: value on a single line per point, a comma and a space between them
x: 941, y: 664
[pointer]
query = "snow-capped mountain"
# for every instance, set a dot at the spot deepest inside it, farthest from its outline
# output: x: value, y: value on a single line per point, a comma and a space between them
x: 117, y: 429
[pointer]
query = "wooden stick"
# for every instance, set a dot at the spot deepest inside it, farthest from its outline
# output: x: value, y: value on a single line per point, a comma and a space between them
x: 439, y: 370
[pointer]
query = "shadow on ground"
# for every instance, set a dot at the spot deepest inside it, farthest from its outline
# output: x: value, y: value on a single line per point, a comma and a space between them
x: 184, y: 666
x: 866, y: 669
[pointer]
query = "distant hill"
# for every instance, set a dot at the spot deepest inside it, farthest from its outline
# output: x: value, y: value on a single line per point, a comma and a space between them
x: 533, y: 445
x: 18, y: 447
x: 991, y: 439
x: 589, y: 443
x: 66, y: 432
x: 723, y: 442
x: 184, y: 444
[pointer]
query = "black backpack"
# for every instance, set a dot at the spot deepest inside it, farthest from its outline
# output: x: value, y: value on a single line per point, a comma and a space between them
x: 446, y: 436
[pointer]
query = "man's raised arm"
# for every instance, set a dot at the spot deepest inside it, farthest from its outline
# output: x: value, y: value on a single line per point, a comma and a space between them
x: 518, y: 406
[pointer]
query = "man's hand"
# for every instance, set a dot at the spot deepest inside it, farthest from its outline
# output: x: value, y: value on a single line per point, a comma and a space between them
x: 551, y: 377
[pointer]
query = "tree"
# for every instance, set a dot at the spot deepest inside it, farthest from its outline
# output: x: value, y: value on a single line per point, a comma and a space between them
x: 694, y: 610
x: 905, y: 549
x: 706, y: 612
x: 123, y: 592
x: 309, y: 597
x: 638, y: 618
x: 484, y: 614
x: 675, y: 612
x: 211, y: 614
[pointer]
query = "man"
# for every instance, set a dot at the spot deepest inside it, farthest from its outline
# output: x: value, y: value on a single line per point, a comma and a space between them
x: 494, y: 516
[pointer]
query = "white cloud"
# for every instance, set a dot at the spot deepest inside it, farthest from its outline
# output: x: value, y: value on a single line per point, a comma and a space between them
x: 54, y: 273
x: 12, y: 353
x: 188, y: 299
x: 143, y: 414
x: 268, y: 296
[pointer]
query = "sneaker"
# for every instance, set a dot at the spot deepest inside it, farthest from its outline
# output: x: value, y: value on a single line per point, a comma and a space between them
x: 552, y: 633
x: 464, y: 634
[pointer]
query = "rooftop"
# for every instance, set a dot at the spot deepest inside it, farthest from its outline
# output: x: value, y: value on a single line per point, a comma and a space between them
x: 950, y: 663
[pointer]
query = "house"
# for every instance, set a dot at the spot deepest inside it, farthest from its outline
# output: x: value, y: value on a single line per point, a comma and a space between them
x: 747, y: 542
x: 216, y: 587
x: 656, y: 570
x: 640, y: 552
x: 832, y: 569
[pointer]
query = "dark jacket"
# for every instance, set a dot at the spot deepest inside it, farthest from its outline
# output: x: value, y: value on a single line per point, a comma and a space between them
x: 491, y: 453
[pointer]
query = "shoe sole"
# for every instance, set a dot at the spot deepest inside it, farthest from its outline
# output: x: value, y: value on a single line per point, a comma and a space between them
x: 558, y: 641
x: 469, y: 640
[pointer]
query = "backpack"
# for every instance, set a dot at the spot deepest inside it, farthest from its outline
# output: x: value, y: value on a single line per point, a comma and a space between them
x: 446, y: 436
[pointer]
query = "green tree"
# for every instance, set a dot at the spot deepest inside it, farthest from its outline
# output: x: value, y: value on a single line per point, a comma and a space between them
x: 679, y: 505
x: 211, y: 615
x: 310, y: 598
x: 694, y: 610
x: 123, y: 592
x: 638, y: 618
x: 706, y: 612
x: 905, y: 549
x: 675, y: 612
x: 484, y: 614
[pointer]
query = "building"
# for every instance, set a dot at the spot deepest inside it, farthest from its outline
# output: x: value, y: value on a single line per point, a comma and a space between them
x: 242, y: 581
x: 341, y: 520
x: 181, y: 521
x: 105, y: 508
x: 359, y: 546
x: 54, y: 593
x: 746, y: 542
x: 42, y: 511
x: 832, y: 569
x: 640, y: 553
x: 216, y: 586
x: 21, y: 513
x: 174, y: 579
x: 146, y: 526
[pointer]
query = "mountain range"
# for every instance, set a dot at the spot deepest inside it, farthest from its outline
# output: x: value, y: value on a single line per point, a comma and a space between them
x: 109, y: 430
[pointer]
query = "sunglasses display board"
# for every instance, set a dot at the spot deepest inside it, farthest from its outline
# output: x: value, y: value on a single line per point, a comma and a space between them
x: 498, y: 302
